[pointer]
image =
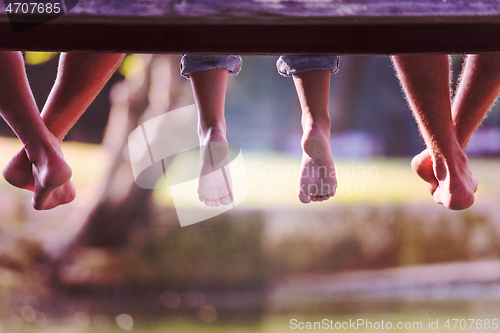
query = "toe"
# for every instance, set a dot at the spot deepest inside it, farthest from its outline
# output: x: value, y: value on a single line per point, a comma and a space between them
x: 437, y: 196
x: 304, y: 197
x: 225, y: 200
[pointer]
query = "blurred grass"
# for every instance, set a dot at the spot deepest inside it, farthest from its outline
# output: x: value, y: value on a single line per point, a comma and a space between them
x: 273, y: 178
x: 273, y: 182
x: 486, y: 172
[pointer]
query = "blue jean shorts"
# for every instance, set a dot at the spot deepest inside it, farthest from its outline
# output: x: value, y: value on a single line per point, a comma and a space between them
x: 287, y: 65
x: 191, y: 63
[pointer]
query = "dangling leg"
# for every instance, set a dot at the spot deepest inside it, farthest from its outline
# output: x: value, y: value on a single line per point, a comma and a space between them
x: 425, y: 80
x: 209, y: 87
x: 80, y: 78
x: 317, y: 180
x: 478, y: 87
x: 45, y: 163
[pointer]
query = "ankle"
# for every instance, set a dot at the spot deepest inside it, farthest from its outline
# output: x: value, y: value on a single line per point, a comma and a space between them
x: 315, y: 123
x: 39, y: 151
x: 315, y: 129
x: 213, y: 131
x: 450, y: 164
x: 314, y: 137
x: 33, y: 151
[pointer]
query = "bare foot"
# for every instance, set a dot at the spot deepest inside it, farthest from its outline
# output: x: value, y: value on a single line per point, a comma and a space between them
x: 317, y: 177
x: 422, y: 165
x: 214, y: 186
x: 51, y: 175
x: 456, y: 182
x: 18, y: 171
x: 48, y: 176
x: 451, y: 184
x: 48, y: 198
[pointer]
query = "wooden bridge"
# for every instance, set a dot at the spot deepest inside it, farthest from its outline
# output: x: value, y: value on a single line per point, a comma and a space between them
x: 260, y: 26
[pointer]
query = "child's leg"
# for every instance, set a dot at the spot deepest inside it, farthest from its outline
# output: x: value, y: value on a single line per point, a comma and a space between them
x: 425, y: 80
x: 311, y: 75
x: 478, y: 87
x: 46, y: 165
x: 317, y: 179
x: 209, y: 80
x: 209, y: 88
x: 80, y: 78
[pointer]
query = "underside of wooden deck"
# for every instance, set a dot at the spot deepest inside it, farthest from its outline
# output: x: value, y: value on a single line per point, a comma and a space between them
x: 259, y: 27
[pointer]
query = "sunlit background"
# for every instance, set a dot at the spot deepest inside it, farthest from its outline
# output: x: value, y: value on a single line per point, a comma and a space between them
x: 116, y: 259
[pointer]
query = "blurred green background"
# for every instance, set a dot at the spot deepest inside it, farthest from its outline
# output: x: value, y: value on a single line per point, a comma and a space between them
x: 116, y: 259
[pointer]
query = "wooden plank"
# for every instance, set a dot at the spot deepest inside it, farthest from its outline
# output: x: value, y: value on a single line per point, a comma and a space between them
x: 265, y: 27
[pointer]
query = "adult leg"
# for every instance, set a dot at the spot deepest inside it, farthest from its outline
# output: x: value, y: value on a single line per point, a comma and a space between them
x: 477, y: 91
x: 317, y: 180
x: 425, y: 80
x: 478, y: 87
x: 45, y: 163
x: 80, y: 78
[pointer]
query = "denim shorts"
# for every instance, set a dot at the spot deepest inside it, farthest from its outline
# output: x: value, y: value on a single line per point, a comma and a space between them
x: 287, y: 65
x: 191, y: 63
